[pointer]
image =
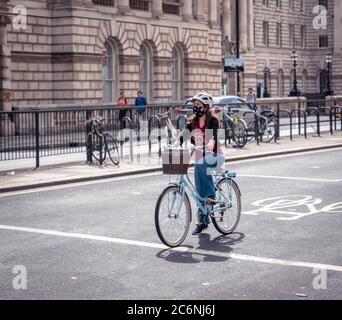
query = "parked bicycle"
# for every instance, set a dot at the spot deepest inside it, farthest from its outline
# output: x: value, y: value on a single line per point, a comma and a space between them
x: 266, y: 124
x: 235, y: 128
x: 102, y: 142
x: 173, y: 213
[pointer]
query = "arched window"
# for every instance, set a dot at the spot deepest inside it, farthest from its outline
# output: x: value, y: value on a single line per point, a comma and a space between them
x: 110, y: 73
x: 145, y: 66
x: 177, y: 72
x: 323, y: 81
x: 280, y: 83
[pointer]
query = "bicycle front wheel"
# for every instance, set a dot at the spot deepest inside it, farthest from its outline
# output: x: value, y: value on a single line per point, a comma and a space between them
x: 228, y: 196
x: 112, y: 149
x: 172, y: 217
x: 240, y: 134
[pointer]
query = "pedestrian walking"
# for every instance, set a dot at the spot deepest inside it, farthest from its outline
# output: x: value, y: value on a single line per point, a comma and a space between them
x: 141, y: 101
x: 123, y: 101
x: 251, y: 97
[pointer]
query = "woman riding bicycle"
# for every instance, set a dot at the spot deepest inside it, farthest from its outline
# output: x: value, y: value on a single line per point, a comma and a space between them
x: 203, y: 127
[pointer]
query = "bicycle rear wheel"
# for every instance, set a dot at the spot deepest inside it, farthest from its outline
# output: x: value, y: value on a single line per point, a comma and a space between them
x: 112, y: 149
x: 270, y: 130
x: 172, y: 228
x: 98, y: 149
x: 227, y: 221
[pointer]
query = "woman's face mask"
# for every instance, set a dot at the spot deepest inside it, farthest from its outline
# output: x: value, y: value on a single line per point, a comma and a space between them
x: 198, y: 111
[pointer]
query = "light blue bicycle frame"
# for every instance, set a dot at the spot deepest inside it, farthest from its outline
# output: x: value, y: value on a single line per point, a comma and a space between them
x: 183, y: 182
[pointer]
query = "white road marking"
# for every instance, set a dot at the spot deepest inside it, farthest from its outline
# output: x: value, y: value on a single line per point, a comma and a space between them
x: 180, y: 249
x: 287, y: 178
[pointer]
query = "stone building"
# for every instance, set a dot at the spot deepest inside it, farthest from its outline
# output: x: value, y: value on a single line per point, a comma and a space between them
x: 85, y: 51
x: 271, y: 29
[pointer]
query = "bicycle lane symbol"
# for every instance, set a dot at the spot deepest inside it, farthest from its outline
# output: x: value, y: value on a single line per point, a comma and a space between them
x: 293, y: 207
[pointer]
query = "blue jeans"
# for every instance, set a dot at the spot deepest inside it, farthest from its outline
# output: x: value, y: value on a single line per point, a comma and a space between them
x: 204, y: 180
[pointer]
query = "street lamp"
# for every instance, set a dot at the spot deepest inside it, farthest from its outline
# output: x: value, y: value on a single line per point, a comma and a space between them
x: 294, y: 92
x: 328, y: 60
x: 266, y: 73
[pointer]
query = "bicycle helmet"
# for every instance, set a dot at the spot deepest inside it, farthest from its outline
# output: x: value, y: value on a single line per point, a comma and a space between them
x: 205, y: 98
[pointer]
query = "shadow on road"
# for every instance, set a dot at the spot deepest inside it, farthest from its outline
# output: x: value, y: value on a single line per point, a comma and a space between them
x: 189, y: 255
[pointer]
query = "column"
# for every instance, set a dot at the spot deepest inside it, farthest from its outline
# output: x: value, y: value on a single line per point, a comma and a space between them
x: 213, y: 13
x: 5, y: 65
x: 243, y: 25
x: 226, y: 19
x: 250, y: 6
x: 187, y: 10
x: 157, y: 8
x: 123, y: 6
x: 199, y: 11
x: 337, y: 26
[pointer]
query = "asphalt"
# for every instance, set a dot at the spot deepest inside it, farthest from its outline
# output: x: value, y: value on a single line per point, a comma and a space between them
x: 50, y: 175
x: 97, y: 239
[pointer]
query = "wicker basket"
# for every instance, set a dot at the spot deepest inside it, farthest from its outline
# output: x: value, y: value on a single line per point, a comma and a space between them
x: 176, y: 160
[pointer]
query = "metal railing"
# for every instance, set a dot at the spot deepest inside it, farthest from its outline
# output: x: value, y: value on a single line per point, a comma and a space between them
x: 36, y: 133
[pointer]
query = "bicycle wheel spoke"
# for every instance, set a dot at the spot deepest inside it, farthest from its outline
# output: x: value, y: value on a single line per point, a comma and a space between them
x: 172, y: 226
x: 229, y: 197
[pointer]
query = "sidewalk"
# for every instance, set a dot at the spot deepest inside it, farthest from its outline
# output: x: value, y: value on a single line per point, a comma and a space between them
x: 79, y: 172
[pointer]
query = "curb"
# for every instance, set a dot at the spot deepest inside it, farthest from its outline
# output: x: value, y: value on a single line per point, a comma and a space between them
x: 157, y: 169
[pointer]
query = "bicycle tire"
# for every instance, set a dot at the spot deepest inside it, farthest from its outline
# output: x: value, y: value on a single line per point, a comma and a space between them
x: 270, y: 131
x: 158, y: 215
x: 98, y: 143
x: 240, y: 134
x: 237, y: 205
x: 112, y: 149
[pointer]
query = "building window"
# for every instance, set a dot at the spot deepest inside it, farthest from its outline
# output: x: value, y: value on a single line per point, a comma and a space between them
x: 177, y: 72
x: 278, y: 4
x: 171, y: 7
x: 292, y: 36
x: 323, y: 41
x: 110, y: 73
x: 139, y: 5
x: 302, y: 37
x: 279, y: 34
x: 145, y: 68
x: 108, y: 3
x: 292, y: 5
x: 302, y: 6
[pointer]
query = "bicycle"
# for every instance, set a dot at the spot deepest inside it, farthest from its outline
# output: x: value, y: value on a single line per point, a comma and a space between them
x: 267, y: 126
x: 173, y: 213
x: 235, y: 128
x: 170, y: 130
x: 102, y: 142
